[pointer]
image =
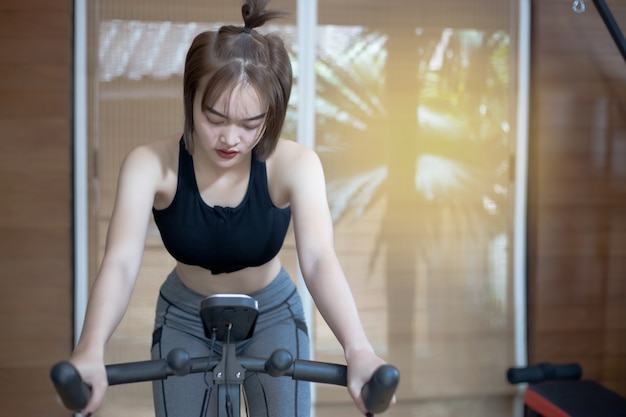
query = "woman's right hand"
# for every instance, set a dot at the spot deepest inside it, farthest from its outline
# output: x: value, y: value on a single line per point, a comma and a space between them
x: 93, y: 373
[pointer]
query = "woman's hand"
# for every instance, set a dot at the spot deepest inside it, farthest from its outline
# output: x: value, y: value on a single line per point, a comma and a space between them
x: 93, y: 373
x: 361, y: 366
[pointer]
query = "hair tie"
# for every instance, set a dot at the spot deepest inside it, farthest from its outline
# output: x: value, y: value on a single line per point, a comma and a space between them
x: 247, y: 30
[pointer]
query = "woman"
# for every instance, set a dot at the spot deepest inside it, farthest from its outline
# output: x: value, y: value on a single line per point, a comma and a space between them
x: 222, y: 197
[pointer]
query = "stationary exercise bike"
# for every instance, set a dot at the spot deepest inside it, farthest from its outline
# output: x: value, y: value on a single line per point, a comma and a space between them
x: 229, y: 319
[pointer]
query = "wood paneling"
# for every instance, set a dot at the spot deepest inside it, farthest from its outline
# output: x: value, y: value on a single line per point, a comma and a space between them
x: 577, y: 193
x: 36, y: 202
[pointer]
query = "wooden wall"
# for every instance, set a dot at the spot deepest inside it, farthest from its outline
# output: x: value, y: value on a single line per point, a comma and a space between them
x: 35, y: 202
x: 577, y: 192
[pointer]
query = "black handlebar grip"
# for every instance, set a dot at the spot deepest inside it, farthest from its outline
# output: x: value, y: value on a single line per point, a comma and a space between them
x: 529, y: 374
x: 380, y: 389
x: 543, y: 372
x: 179, y: 361
x: 279, y: 362
x: 69, y: 385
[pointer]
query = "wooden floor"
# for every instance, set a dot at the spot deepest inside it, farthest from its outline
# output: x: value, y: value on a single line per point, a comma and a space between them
x: 496, y: 406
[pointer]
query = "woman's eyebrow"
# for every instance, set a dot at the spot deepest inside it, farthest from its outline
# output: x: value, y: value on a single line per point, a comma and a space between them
x: 257, y: 117
x: 249, y: 119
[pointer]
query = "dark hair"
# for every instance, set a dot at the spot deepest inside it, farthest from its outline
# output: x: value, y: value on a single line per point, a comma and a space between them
x: 236, y: 54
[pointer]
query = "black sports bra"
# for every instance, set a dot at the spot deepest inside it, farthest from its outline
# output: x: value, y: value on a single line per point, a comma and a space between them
x: 222, y: 239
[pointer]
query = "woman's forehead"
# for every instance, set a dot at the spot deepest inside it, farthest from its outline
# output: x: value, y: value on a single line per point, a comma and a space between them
x: 241, y: 101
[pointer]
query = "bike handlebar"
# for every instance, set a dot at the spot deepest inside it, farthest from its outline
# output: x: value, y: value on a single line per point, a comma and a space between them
x: 75, y: 394
x: 543, y: 372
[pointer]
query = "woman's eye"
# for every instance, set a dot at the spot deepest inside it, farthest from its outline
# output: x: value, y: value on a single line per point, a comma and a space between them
x: 215, y: 121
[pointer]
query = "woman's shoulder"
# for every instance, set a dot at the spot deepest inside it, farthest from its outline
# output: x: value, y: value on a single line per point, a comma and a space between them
x: 161, y: 154
x: 290, y: 155
x: 151, y: 168
x: 154, y: 164
x: 294, y: 165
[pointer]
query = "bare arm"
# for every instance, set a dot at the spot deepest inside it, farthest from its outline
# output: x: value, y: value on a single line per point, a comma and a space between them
x: 322, y: 272
x: 113, y: 286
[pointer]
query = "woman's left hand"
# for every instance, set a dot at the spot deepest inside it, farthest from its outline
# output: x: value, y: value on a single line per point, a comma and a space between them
x: 361, y: 366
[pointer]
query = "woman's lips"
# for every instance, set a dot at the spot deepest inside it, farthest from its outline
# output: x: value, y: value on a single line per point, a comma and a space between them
x: 225, y: 154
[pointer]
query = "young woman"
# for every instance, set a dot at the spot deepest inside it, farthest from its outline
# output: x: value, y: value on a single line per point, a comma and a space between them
x: 222, y: 197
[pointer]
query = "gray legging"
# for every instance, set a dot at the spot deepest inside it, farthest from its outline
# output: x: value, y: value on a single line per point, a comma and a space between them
x: 280, y: 324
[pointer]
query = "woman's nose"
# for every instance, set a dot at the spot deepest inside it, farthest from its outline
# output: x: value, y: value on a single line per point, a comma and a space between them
x: 230, y: 135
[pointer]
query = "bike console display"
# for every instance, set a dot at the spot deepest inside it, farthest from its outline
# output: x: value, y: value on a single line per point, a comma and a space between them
x: 229, y: 315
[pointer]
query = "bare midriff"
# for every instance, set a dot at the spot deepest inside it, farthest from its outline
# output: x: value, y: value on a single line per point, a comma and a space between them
x: 244, y: 281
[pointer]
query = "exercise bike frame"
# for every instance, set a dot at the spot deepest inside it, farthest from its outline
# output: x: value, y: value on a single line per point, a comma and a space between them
x: 223, y: 317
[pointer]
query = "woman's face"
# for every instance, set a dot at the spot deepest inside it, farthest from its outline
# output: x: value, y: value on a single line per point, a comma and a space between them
x: 232, y: 127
